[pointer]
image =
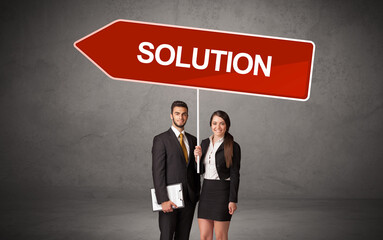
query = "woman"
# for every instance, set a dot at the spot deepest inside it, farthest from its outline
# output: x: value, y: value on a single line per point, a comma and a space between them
x: 220, y: 162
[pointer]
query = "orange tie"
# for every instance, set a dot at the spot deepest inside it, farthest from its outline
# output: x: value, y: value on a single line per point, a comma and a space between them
x: 183, y: 147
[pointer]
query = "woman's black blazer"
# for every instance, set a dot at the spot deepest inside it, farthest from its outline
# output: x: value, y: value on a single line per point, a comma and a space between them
x: 223, y: 171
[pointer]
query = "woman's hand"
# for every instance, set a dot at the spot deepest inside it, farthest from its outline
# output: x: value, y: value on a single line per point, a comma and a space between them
x: 232, y: 207
x: 197, y: 152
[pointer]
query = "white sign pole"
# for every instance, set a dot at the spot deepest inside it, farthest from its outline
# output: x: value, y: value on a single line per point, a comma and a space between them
x: 198, y: 127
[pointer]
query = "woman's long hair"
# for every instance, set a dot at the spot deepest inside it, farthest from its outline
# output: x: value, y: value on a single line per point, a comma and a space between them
x: 228, y: 139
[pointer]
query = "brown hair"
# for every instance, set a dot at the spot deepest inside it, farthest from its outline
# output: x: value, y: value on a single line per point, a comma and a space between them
x: 228, y: 139
x: 178, y: 104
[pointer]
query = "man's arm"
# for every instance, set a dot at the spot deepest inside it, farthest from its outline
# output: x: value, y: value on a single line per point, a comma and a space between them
x: 159, y: 175
x: 159, y: 169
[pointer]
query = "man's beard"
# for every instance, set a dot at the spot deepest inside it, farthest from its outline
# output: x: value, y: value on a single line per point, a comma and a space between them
x: 180, y: 126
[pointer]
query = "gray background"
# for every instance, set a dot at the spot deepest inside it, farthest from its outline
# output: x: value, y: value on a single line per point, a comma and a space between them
x: 66, y: 125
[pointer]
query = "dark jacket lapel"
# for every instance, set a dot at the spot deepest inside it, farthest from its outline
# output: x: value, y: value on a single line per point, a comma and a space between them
x: 220, y: 147
x: 219, y: 160
x: 191, y: 151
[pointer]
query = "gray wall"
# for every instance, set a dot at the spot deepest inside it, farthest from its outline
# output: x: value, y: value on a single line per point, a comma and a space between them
x: 66, y: 124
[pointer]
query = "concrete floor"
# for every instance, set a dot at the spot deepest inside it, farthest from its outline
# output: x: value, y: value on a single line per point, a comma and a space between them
x: 100, y: 215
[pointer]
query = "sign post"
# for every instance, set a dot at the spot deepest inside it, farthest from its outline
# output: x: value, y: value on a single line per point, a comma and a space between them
x: 198, y: 160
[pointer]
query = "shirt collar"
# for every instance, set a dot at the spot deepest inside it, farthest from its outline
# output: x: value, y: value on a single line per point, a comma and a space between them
x: 176, y: 132
x: 219, y: 141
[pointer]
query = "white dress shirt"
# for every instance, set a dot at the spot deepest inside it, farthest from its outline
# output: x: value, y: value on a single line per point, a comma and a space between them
x: 209, y: 161
x: 177, y: 133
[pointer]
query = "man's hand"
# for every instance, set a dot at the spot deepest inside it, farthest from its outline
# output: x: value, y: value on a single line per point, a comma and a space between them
x: 167, y: 206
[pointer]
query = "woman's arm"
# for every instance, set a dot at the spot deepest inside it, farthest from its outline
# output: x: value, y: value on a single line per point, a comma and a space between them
x: 234, y: 173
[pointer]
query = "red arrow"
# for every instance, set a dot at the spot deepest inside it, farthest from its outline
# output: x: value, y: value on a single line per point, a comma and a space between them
x: 200, y: 58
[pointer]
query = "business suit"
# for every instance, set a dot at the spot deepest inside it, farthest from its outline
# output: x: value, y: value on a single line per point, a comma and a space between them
x: 169, y: 167
x: 214, y: 199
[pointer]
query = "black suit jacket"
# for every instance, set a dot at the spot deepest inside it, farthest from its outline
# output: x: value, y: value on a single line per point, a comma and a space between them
x: 223, y: 171
x: 169, y: 166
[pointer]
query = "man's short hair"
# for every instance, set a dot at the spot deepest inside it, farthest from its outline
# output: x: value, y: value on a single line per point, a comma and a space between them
x: 178, y: 104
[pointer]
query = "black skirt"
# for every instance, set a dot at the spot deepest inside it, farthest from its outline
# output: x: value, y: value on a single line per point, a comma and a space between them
x: 214, y: 200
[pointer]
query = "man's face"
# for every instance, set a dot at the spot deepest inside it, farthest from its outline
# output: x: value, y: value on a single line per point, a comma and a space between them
x: 179, y: 116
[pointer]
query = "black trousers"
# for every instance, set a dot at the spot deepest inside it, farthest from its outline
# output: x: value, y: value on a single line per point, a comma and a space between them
x: 177, y: 224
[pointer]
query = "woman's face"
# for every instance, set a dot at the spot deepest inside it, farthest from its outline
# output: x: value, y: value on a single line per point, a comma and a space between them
x: 218, y: 126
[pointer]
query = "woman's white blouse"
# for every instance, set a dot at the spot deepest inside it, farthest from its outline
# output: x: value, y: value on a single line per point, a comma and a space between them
x: 209, y: 161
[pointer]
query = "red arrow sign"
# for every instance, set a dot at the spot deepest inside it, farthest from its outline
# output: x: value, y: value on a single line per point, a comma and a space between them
x: 200, y: 58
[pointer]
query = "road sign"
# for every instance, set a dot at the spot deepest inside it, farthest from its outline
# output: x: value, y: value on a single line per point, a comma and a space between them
x: 201, y: 58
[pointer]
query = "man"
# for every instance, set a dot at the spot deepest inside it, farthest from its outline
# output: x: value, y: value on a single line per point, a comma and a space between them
x: 173, y: 162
